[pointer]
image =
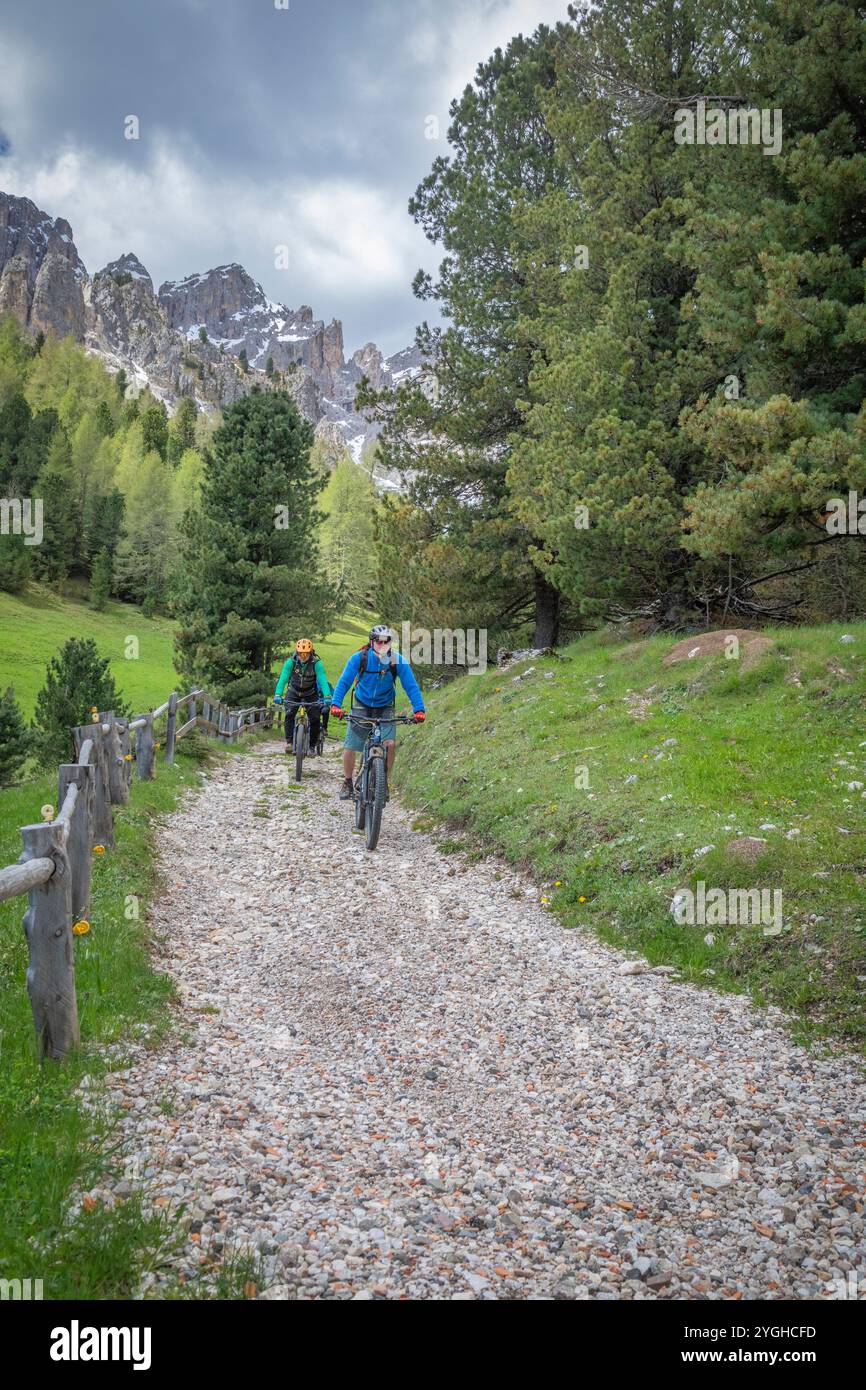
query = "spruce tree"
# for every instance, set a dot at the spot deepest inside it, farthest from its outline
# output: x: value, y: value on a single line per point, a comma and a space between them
x: 14, y: 563
x: 249, y: 577
x: 15, y: 739
x: 76, y: 680
x: 101, y: 580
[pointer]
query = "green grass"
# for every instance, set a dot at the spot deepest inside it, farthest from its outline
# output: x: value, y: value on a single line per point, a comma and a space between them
x: 499, y: 760
x: 34, y: 625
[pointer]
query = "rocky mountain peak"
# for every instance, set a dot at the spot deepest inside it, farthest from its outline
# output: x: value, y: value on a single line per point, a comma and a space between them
x: 187, y: 339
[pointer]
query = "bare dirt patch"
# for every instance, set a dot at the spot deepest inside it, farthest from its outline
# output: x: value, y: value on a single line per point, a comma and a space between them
x: 752, y: 645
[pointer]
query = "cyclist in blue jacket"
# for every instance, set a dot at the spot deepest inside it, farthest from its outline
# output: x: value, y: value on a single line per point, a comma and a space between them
x: 375, y: 670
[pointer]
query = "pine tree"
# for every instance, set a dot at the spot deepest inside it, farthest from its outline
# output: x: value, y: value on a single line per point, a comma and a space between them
x: 61, y: 525
x: 154, y: 424
x: 249, y: 576
x: 181, y: 430
x: 454, y: 433
x: 76, y: 680
x: 101, y: 580
x: 242, y: 360
x: 104, y: 420
x: 269, y: 367
x: 15, y: 739
x: 15, y: 563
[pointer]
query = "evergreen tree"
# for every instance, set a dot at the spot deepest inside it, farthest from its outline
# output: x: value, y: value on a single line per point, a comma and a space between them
x: 15, y: 419
x: 61, y: 525
x: 181, y: 430
x: 15, y: 563
x: 103, y: 523
x: 15, y: 739
x: 269, y: 367
x: 453, y: 433
x: 76, y: 680
x: 242, y: 360
x: 154, y: 424
x: 33, y: 453
x: 101, y: 580
x: 250, y: 572
x: 121, y: 383
x: 104, y: 420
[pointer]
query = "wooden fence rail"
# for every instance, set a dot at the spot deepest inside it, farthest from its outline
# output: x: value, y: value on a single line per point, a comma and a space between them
x: 54, y: 867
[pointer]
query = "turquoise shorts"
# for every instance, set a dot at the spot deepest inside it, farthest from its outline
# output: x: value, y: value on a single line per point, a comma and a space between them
x: 356, y: 735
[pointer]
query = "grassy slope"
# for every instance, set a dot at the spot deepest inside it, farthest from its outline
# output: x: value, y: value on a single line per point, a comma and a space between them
x: 34, y: 625
x: 772, y: 746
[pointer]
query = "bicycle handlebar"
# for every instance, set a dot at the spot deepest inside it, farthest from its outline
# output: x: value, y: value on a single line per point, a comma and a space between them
x: 387, y: 719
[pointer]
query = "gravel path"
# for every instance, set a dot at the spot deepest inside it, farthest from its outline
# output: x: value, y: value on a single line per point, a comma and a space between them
x: 400, y: 1078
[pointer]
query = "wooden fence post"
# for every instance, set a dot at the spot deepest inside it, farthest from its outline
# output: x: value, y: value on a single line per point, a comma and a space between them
x: 47, y: 925
x: 125, y: 751
x: 205, y: 709
x: 102, y: 821
x: 117, y: 785
x: 78, y: 839
x: 171, y: 726
x: 144, y: 750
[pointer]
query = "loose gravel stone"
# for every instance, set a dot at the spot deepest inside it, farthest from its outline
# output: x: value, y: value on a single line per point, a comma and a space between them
x: 399, y: 1077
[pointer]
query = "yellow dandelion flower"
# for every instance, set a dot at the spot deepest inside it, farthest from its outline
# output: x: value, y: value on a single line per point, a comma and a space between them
x: 581, y: 900
x: 81, y: 928
x: 99, y: 849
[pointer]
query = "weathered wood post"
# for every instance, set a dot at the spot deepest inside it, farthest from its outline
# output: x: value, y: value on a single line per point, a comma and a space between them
x: 222, y: 722
x: 125, y: 750
x: 102, y: 820
x: 78, y: 838
x: 118, y: 787
x: 144, y: 750
x: 205, y: 709
x: 48, y: 928
x: 171, y: 727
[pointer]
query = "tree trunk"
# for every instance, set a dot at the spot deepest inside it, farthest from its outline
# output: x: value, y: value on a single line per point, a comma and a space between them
x: 547, y: 604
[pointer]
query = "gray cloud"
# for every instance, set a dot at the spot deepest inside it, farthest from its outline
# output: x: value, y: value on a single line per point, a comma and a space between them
x: 258, y: 127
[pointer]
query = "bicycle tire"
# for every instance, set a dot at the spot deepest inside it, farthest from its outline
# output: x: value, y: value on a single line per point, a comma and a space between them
x: 375, y: 800
x: 300, y: 751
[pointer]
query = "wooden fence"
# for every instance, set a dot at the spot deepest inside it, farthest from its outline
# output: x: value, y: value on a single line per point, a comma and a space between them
x: 54, y: 868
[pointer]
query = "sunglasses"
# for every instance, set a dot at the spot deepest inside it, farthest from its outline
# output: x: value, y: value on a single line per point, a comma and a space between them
x: 382, y: 641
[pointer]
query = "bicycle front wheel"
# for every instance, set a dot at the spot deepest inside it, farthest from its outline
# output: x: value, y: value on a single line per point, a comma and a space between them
x: 375, y: 800
x: 300, y: 750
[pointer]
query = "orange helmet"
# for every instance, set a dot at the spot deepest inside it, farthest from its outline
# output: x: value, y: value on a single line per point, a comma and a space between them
x: 303, y: 646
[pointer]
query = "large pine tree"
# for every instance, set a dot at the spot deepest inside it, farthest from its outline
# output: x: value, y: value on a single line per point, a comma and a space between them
x: 250, y: 576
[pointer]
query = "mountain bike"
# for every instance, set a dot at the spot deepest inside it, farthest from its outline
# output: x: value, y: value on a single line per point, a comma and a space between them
x: 301, y: 736
x: 371, y: 782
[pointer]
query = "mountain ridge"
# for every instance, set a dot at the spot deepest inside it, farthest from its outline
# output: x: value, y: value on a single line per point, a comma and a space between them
x: 189, y: 337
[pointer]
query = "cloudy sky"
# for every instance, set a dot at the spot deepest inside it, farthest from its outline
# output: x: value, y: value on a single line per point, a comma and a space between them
x: 304, y: 126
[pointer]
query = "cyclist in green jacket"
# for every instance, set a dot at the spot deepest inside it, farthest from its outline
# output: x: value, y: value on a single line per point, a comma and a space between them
x: 304, y: 681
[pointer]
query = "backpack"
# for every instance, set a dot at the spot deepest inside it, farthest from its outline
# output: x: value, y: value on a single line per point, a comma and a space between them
x: 362, y: 667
